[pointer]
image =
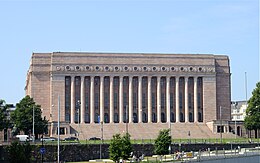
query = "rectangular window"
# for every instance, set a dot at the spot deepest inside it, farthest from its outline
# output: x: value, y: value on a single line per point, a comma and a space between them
x: 96, y: 99
x: 67, y: 98
x: 135, y: 100
x: 189, y: 100
x: 171, y: 100
x: 153, y: 99
x: 86, y: 103
x: 180, y: 100
x: 143, y: 99
x: 106, y: 99
x: 125, y: 99
x: 199, y: 99
x: 62, y: 130
x: 116, y: 82
x: 115, y: 100
x: 162, y: 100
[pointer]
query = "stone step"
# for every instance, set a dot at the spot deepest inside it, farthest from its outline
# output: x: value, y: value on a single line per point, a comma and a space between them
x: 146, y: 130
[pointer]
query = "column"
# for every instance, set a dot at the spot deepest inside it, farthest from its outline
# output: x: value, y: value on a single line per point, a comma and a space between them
x: 92, y: 99
x: 149, y: 100
x: 130, y: 99
x: 195, y: 99
x: 72, y: 110
x: 159, y: 99
x: 186, y: 100
x: 121, y: 110
x: 168, y: 107
x: 82, y: 98
x: 111, y: 98
x: 140, y: 99
x: 177, y: 99
x: 101, y: 98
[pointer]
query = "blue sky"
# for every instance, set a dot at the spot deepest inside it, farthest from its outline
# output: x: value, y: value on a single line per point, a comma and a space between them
x: 229, y: 27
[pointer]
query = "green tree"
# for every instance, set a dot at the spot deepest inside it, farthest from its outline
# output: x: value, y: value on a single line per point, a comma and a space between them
x: 22, y: 117
x: 3, y: 115
x: 162, y: 142
x: 18, y: 152
x: 126, y: 146
x: 252, y: 119
x: 120, y: 147
x: 115, y: 148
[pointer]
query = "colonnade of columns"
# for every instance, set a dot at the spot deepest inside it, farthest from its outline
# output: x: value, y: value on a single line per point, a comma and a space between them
x: 79, y: 109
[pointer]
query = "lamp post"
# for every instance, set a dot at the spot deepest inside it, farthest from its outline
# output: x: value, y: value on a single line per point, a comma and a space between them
x: 42, y: 149
x: 189, y: 137
x: 170, y: 129
x: 126, y: 119
x: 33, y: 125
x: 220, y: 124
x: 58, y: 129
x: 101, y: 128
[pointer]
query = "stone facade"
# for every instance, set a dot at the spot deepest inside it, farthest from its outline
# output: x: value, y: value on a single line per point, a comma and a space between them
x: 136, y: 88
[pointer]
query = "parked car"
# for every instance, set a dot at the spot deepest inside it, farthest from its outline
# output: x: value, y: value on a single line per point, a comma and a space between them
x: 47, y: 139
x: 23, y: 138
x: 94, y: 138
x: 71, y: 139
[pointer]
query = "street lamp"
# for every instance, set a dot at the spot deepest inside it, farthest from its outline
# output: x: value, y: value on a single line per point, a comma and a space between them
x: 170, y: 128
x: 33, y: 125
x: 220, y: 124
x: 189, y: 137
x: 126, y: 119
x: 102, y: 137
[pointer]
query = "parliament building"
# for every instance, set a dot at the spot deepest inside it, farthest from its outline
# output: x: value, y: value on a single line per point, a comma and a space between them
x: 101, y: 94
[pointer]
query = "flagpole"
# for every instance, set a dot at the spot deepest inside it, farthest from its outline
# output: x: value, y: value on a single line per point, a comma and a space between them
x: 246, y: 87
x: 58, y: 129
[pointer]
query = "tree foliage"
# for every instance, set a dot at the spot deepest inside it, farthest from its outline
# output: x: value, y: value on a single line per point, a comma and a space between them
x: 18, y: 152
x: 252, y: 119
x: 3, y: 115
x: 120, y: 147
x: 22, y: 117
x: 115, y: 148
x: 126, y: 146
x: 162, y: 142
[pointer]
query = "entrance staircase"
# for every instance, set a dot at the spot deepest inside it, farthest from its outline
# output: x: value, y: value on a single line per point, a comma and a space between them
x: 146, y: 130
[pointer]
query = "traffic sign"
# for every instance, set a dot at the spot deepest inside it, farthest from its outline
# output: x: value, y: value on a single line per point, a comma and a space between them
x: 42, y: 150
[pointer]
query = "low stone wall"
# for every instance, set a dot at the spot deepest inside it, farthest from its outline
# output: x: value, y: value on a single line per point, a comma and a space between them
x: 83, y: 152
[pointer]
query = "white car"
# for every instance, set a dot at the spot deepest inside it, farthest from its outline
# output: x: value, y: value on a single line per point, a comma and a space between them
x: 46, y: 139
x: 23, y: 137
